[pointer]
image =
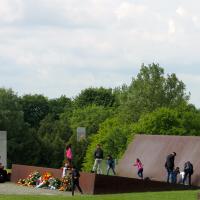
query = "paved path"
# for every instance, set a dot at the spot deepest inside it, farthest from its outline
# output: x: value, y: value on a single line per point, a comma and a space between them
x: 12, y: 188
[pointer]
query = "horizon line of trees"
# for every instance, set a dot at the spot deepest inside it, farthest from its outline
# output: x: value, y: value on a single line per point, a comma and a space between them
x: 39, y: 128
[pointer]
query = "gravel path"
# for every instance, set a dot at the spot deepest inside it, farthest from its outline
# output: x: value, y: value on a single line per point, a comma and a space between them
x: 12, y: 188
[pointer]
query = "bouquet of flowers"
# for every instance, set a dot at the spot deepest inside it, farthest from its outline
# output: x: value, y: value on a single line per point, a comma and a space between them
x: 66, y: 183
x: 43, y: 181
x: 54, y: 183
x: 31, y: 180
x: 47, y: 181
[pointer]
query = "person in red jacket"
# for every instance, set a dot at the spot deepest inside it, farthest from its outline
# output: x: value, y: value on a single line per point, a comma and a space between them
x: 139, y: 165
x: 68, y: 154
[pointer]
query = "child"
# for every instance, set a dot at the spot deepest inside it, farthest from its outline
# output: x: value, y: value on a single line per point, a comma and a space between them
x: 182, y: 174
x: 75, y: 180
x: 65, y: 169
x: 110, y: 164
x: 139, y: 165
x: 174, y: 175
x: 68, y: 154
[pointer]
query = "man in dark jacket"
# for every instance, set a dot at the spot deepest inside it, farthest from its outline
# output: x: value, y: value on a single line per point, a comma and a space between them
x: 188, y: 169
x: 169, y: 165
x: 98, y: 156
x: 75, y: 180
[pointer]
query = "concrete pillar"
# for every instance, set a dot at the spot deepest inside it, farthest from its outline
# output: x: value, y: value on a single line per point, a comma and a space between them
x: 3, y: 148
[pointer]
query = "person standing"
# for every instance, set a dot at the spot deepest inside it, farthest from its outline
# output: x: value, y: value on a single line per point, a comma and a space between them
x: 3, y: 174
x: 188, y: 169
x: 69, y: 154
x: 75, y: 180
x: 175, y: 174
x: 169, y: 165
x: 139, y: 165
x: 98, y: 156
x: 110, y: 164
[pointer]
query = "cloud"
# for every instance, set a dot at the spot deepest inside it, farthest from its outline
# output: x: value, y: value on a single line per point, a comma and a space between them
x: 127, y: 9
x: 172, y: 27
x: 11, y: 10
x: 181, y: 11
x: 63, y: 46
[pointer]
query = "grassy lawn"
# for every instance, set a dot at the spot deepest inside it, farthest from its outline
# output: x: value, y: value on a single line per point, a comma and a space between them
x: 183, y: 195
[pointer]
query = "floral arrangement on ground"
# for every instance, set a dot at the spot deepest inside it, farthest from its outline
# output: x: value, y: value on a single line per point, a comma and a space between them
x: 35, y: 179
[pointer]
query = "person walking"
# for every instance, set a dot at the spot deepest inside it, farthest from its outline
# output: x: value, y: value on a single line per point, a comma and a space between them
x: 110, y: 164
x: 188, y: 169
x: 75, y: 180
x: 139, y: 165
x: 98, y: 156
x: 169, y: 165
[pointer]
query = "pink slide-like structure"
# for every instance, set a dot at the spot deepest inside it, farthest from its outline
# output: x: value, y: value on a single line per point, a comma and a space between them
x: 152, y: 150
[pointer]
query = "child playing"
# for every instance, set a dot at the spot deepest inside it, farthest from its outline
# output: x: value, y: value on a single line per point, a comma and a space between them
x: 110, y: 164
x: 139, y: 165
x: 65, y: 169
x: 174, y: 175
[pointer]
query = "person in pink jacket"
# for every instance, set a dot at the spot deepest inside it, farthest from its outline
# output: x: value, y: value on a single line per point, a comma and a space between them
x: 139, y: 165
x: 68, y: 154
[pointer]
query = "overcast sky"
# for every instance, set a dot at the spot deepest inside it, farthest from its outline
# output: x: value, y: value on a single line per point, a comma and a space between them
x: 59, y: 47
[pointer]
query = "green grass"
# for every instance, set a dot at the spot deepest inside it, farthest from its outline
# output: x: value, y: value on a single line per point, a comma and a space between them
x: 180, y: 195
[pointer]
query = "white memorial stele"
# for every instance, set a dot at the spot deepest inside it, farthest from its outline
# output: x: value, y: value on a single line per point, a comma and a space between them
x: 81, y: 133
x: 3, y: 148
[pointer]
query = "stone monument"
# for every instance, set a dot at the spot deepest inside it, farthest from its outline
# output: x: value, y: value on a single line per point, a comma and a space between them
x: 3, y: 148
x: 81, y: 133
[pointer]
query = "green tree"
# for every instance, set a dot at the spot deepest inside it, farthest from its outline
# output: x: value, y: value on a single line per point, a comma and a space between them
x: 113, y: 136
x: 151, y: 90
x: 22, y: 146
x: 98, y: 96
x: 35, y: 108
x: 59, y: 106
x: 167, y: 121
x: 89, y: 117
x: 52, y: 135
x: 164, y: 121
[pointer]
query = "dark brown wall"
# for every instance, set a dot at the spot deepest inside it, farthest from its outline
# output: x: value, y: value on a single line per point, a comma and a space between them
x: 152, y: 151
x: 115, y: 184
x: 22, y: 171
x: 100, y: 184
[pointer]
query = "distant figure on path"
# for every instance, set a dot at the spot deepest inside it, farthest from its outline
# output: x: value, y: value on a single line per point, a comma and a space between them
x: 110, y: 164
x: 188, y: 169
x: 68, y: 154
x: 75, y: 180
x: 98, y: 156
x: 169, y: 165
x: 139, y: 165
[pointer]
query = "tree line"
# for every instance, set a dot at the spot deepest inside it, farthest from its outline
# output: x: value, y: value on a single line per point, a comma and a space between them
x: 39, y: 128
